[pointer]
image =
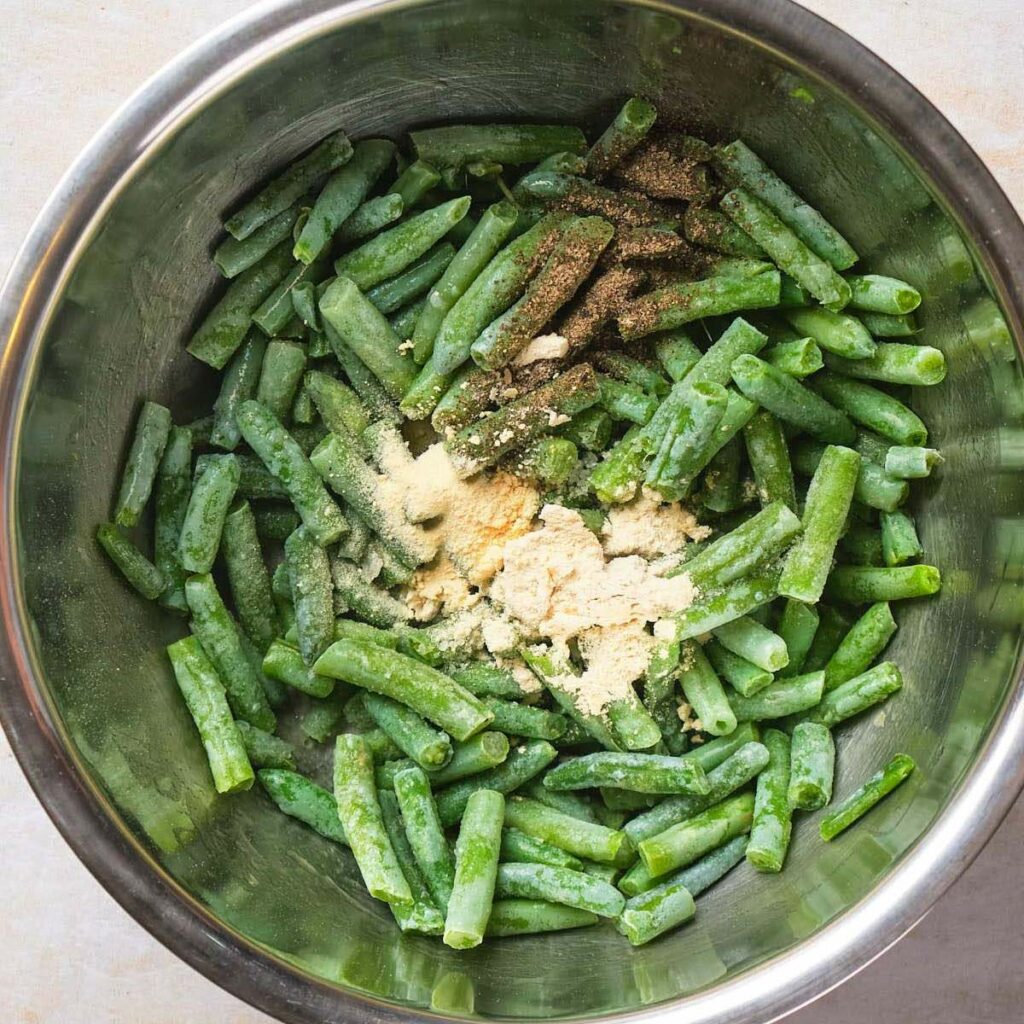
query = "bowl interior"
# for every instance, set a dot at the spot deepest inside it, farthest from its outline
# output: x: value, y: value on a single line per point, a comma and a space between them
x: 117, y: 336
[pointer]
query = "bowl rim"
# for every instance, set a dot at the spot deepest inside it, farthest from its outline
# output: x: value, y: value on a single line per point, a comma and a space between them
x: 82, y: 813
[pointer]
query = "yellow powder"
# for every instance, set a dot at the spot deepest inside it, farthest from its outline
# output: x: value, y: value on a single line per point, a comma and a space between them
x: 438, y: 589
x: 477, y: 516
x: 557, y: 582
x: 648, y: 527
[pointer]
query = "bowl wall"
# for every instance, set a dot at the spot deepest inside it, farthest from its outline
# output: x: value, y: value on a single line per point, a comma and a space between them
x: 115, y: 330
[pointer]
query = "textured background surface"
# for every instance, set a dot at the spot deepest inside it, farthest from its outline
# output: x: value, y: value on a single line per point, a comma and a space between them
x: 71, y: 955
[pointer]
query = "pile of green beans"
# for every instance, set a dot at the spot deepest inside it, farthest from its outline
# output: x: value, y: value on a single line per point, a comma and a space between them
x: 718, y: 352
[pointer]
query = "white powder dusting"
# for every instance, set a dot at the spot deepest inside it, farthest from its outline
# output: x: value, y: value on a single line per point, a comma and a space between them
x: 646, y: 526
x: 545, y: 346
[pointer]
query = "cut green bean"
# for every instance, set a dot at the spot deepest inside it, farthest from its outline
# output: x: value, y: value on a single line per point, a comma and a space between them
x: 907, y: 463
x: 428, y: 747
x: 900, y: 543
x: 811, y: 767
x: 425, y: 834
x: 341, y: 196
x: 138, y: 570
x: 458, y: 145
x: 790, y: 401
x: 621, y: 137
x: 580, y: 838
x: 239, y: 384
x: 676, y: 353
x: 858, y: 803
x: 711, y: 229
x: 885, y: 325
x: 773, y: 817
x: 739, y: 598
x: 741, y: 165
x: 787, y: 696
x: 838, y: 333
x: 289, y: 186
x: 786, y: 249
x: 248, y: 577
x: 745, y: 677
x: 204, y: 696
x: 284, y: 663
x: 892, y: 363
x: 519, y: 848
x: 476, y: 867
x: 855, y: 695
x: 768, y: 454
x: 799, y: 358
x: 875, y: 409
x: 798, y: 626
x: 173, y: 489
x: 828, y: 501
x: 225, y: 326
x: 879, y: 294
x: 309, y: 570
x: 212, y: 495
x: 559, y: 885
x: 280, y: 375
x: 756, y: 643
x: 874, y: 487
x: 856, y: 584
x: 530, y: 917
x: 360, y: 814
x: 303, y: 799
x: 151, y: 432
x: 523, y: 720
x: 638, y: 773
x: 233, y: 256
x: 264, y: 749
x: 704, y: 692
x: 282, y: 456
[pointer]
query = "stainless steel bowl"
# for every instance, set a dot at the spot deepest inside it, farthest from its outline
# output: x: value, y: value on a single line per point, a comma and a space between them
x: 95, y: 313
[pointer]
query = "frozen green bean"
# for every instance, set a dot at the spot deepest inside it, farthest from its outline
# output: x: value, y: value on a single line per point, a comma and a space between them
x: 151, y: 432
x: 811, y: 767
x: 476, y: 868
x: 138, y: 570
x: 248, y: 577
x: 303, y: 799
x: 862, y: 800
x: 772, y: 825
x: 173, y: 489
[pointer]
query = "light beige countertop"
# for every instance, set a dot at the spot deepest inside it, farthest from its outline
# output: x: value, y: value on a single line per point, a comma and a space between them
x: 71, y: 955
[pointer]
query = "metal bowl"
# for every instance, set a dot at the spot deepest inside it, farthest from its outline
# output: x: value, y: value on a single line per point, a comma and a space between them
x: 95, y: 313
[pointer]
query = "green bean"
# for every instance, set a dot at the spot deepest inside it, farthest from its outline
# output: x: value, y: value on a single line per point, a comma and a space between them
x: 745, y: 677
x: 248, y: 577
x: 744, y: 759
x: 900, y: 542
x: 458, y: 145
x: 281, y: 588
x: 684, y: 302
x: 173, y: 488
x: 638, y: 773
x: 312, y: 593
x: 621, y: 137
x: 239, y: 383
x: 704, y: 692
x: 861, y: 545
x: 522, y: 764
x: 768, y: 454
x: 529, y: 917
x: 624, y: 401
x: 341, y: 196
x: 548, y: 462
x: 204, y: 696
x: 304, y: 299
x: 676, y: 353
x: 382, y: 748
x: 321, y: 722
x: 580, y: 838
x: 303, y: 799
x: 365, y: 330
x: 392, y: 251
x: 798, y: 626
x: 138, y: 570
x: 264, y: 749
x: 885, y: 325
x: 486, y: 680
x: 811, y: 767
x: 522, y: 420
x: 786, y: 249
x: 478, y: 754
x: 625, y: 801
x: 366, y: 599
x: 396, y: 292
x: 787, y: 696
x: 475, y: 253
x: 200, y: 430
x: 370, y: 217
x: 276, y: 316
x: 476, y: 868
x: 632, y: 724
x: 873, y: 408
x: 855, y: 584
x: 773, y: 817
x: 559, y: 885
x: 687, y: 841
x: 879, y: 294
x: 838, y: 333
x: 523, y: 720
x: 739, y: 598
x: 858, y: 803
x: 756, y: 643
x: 740, y: 165
x: 289, y: 186
x: 855, y: 695
x: 415, y: 182
x: 283, y: 365
x: 742, y: 551
x: 212, y: 494
x: 360, y: 814
x: 828, y: 501
x: 339, y: 406
x: 906, y: 463
x: 282, y: 456
x: 409, y: 732
x: 833, y: 626
x: 713, y: 230
x: 423, y: 917
x: 625, y: 210
x: 284, y: 663
x: 233, y: 256
x: 874, y: 487
x: 275, y: 522
x: 151, y: 432
x: 217, y: 632
x: 227, y: 323
x: 426, y: 691
x: 339, y: 462
x: 799, y: 358
x: 425, y: 834
x: 571, y: 260
x: 576, y: 805
x: 790, y: 401
x: 519, y: 848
